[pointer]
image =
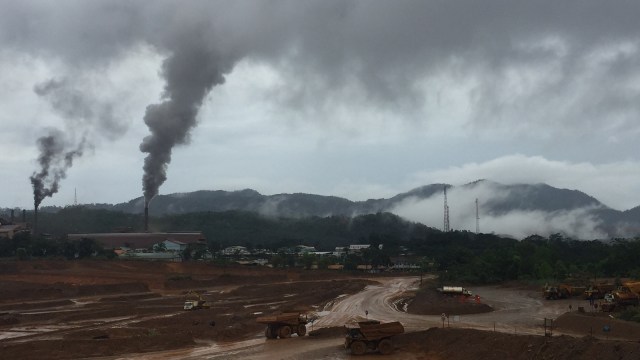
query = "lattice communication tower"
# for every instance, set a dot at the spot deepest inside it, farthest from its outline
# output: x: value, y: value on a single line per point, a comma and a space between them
x: 446, y: 211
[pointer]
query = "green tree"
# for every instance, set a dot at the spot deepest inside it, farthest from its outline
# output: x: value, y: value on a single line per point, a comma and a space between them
x: 160, y: 247
x: 87, y: 247
x: 308, y: 260
x: 324, y: 262
x: 277, y: 261
x: 22, y: 254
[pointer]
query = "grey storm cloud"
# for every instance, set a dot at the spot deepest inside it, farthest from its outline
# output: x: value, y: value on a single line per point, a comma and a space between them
x: 543, y: 62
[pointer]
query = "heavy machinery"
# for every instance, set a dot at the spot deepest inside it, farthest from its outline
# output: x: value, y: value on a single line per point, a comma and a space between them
x: 634, y: 286
x: 555, y: 292
x: 194, y: 301
x: 371, y: 335
x: 623, y: 296
x: 562, y: 291
x: 454, y: 290
x: 283, y: 325
x: 619, y: 298
x: 597, y: 291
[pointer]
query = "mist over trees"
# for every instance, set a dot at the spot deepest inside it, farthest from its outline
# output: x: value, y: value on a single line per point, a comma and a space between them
x: 462, y: 256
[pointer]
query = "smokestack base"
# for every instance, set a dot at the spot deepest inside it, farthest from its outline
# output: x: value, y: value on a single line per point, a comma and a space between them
x: 146, y: 217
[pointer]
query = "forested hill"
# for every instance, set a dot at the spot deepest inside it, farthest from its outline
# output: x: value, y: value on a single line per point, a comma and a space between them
x: 455, y: 255
x: 582, y: 216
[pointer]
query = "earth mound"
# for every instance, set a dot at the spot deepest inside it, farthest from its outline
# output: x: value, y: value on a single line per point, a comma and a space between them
x: 468, y: 344
x: 429, y: 301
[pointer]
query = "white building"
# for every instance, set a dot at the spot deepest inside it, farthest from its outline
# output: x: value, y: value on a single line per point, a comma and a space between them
x: 358, y: 247
x: 174, y: 245
x: 235, y: 250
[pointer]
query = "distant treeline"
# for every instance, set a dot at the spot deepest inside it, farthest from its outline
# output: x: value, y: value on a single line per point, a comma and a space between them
x: 457, y: 255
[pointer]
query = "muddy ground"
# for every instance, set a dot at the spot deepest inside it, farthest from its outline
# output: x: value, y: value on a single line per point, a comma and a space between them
x: 123, y: 309
x: 429, y: 301
x: 67, y: 310
x: 467, y: 344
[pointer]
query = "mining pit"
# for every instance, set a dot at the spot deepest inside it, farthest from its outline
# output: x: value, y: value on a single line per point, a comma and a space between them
x: 134, y: 309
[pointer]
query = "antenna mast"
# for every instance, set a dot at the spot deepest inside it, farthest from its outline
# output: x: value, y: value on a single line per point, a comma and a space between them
x: 477, y: 218
x: 446, y: 211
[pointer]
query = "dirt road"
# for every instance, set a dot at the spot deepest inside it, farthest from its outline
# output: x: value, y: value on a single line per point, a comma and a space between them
x: 133, y: 310
x: 517, y: 311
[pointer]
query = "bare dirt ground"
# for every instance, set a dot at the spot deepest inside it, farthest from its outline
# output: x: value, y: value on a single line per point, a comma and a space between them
x: 125, y: 310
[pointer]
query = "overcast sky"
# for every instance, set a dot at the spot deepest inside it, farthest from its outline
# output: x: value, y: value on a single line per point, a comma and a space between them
x: 359, y: 99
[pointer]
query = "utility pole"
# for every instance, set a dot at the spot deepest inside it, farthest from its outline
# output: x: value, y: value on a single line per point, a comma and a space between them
x: 446, y: 211
x: 477, y: 218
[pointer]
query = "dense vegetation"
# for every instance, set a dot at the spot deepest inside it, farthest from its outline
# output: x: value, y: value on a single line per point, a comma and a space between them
x: 459, y: 255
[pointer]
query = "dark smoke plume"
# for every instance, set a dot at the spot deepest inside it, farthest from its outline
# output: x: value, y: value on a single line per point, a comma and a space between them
x: 80, y: 108
x: 81, y: 112
x: 54, y: 161
x: 190, y: 72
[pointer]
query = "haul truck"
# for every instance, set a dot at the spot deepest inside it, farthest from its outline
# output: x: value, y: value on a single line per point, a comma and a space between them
x: 371, y: 335
x: 194, y: 301
x: 283, y: 325
x: 454, y: 290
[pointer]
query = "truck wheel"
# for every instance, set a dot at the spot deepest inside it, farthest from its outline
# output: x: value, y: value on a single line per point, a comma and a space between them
x: 270, y: 333
x: 302, y: 330
x: 385, y: 347
x: 284, y: 332
x: 358, y: 348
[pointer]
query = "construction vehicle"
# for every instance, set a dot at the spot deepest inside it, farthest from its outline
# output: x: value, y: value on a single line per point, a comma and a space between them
x: 572, y: 290
x: 608, y: 305
x: 555, y: 292
x: 562, y: 291
x: 454, y: 290
x: 623, y: 296
x: 598, y: 291
x: 283, y: 325
x: 634, y: 286
x: 194, y: 301
x: 371, y: 335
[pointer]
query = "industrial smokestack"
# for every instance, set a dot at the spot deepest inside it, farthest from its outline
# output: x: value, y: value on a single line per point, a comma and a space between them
x: 190, y: 72
x: 146, y: 215
x: 54, y: 161
x: 35, y: 222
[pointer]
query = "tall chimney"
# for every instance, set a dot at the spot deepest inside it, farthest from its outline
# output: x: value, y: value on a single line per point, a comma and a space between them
x: 146, y: 216
x: 35, y: 222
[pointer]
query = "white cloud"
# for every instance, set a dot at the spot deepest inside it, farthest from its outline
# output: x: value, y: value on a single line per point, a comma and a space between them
x: 615, y: 184
x: 322, y: 99
x: 577, y: 223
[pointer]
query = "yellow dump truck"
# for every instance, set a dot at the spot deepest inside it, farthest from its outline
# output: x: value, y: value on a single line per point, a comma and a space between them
x: 597, y: 291
x: 283, y: 325
x: 194, y: 301
x: 371, y: 335
x: 623, y: 296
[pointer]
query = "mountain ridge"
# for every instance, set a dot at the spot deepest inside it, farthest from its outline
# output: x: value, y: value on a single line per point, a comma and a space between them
x: 498, y: 200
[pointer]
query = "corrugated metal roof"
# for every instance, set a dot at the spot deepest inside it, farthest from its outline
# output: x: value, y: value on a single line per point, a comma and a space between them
x: 140, y: 240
